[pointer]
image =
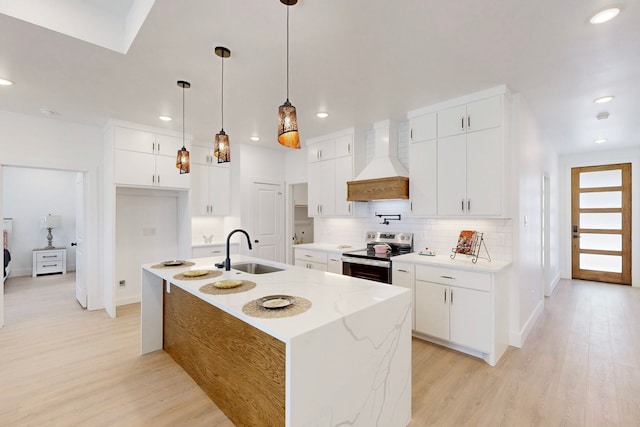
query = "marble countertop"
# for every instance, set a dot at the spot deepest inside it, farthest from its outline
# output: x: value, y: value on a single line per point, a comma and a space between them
x: 331, y: 247
x: 333, y: 296
x: 461, y: 262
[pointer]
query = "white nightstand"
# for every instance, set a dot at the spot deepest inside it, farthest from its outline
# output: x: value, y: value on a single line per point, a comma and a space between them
x: 46, y: 261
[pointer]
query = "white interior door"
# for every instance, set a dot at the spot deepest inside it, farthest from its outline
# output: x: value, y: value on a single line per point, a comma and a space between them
x: 268, y: 220
x: 81, y: 271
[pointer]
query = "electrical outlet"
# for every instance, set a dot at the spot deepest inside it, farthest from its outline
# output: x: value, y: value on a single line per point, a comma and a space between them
x: 122, y: 283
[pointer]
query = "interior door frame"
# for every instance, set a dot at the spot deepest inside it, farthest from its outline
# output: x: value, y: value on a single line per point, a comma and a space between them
x: 625, y: 277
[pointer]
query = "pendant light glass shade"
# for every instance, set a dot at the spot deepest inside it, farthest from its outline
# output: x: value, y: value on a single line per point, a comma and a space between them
x: 182, y: 159
x: 288, y: 135
x: 288, y: 126
x: 221, y: 148
x: 221, y: 144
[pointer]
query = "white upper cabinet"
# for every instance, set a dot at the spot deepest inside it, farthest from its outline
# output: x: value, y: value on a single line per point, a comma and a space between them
x: 148, y: 159
x: 471, y: 117
x: 458, y: 156
x: 331, y: 163
x: 423, y: 127
x: 210, y: 181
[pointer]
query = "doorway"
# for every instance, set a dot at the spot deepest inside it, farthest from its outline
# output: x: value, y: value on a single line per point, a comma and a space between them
x: 601, y: 223
x: 267, y: 207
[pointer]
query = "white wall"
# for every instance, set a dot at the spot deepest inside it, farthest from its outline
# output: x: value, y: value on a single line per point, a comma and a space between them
x: 39, y: 142
x: 593, y: 159
x: 29, y: 194
x: 527, y: 155
x: 256, y: 163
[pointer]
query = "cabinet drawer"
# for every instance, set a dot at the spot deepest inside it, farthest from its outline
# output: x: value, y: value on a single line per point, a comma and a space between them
x: 314, y: 256
x: 49, y: 267
x: 49, y: 257
x: 448, y: 276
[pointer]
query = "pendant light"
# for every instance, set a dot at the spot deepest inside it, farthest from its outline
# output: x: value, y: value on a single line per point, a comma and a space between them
x: 287, y: 120
x: 182, y: 160
x: 221, y: 143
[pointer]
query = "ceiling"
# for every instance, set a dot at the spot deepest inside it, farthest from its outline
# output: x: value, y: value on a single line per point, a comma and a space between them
x: 359, y: 60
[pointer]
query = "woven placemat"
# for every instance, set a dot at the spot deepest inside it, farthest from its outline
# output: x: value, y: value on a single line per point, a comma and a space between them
x: 210, y: 289
x: 184, y: 264
x: 299, y: 306
x: 210, y: 275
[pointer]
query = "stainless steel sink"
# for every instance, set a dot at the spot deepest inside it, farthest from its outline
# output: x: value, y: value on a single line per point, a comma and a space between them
x: 255, y: 268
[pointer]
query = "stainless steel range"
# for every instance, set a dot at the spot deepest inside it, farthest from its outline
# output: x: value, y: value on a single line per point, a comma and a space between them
x: 375, y: 264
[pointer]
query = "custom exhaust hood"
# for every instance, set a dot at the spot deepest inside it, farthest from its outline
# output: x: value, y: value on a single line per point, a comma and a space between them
x: 384, y: 177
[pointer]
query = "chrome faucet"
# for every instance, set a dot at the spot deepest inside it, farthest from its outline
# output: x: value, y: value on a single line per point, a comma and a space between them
x: 227, y: 260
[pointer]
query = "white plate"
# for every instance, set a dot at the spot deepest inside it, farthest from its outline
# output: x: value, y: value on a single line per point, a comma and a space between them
x: 276, y: 301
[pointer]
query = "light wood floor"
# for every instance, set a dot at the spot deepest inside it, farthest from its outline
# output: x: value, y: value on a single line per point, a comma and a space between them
x: 63, y: 366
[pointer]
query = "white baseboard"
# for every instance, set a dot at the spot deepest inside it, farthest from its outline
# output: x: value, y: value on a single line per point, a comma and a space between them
x: 128, y: 300
x: 554, y: 283
x: 517, y: 339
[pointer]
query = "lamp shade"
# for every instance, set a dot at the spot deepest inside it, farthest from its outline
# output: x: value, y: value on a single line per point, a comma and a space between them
x: 221, y: 147
x: 288, y: 126
x: 182, y: 161
x: 50, y: 221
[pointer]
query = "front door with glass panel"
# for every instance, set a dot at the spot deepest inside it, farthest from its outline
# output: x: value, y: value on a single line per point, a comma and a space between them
x: 601, y: 223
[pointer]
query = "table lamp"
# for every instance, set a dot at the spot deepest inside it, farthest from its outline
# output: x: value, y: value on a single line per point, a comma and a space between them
x: 49, y: 222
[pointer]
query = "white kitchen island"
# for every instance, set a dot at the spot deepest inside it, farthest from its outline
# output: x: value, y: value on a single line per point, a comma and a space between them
x: 345, y: 361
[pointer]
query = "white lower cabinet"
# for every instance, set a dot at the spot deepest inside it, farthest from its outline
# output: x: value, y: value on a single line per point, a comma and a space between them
x: 321, y: 260
x: 459, y: 315
x: 334, y: 262
x: 459, y: 308
x: 403, y: 274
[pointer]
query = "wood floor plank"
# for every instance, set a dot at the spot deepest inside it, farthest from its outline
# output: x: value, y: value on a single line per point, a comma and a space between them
x: 64, y: 366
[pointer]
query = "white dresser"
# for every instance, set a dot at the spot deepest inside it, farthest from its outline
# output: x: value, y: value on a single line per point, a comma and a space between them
x: 46, y: 261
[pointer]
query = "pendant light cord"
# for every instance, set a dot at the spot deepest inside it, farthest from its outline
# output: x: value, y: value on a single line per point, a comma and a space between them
x: 288, y: 53
x: 183, y: 117
x: 222, y: 94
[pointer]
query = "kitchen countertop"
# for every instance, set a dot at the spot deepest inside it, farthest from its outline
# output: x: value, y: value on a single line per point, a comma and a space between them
x: 331, y: 247
x: 333, y: 296
x: 351, y: 320
x: 462, y: 262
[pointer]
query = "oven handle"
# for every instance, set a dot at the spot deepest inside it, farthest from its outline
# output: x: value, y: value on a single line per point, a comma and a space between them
x: 364, y: 261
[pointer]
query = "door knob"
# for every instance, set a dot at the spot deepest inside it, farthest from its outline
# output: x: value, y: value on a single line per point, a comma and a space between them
x: 256, y: 241
x: 74, y: 244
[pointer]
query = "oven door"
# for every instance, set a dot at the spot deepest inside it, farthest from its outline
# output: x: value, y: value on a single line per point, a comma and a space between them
x: 378, y: 271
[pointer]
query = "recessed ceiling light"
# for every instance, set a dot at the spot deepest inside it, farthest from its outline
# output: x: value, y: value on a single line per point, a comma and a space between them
x: 255, y: 138
x: 603, y: 99
x: 322, y: 115
x: 605, y: 15
x: 165, y: 118
x: 5, y: 82
x: 600, y: 140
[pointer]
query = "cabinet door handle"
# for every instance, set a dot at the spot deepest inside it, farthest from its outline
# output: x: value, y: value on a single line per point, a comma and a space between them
x: 153, y: 147
x: 468, y: 122
x: 462, y: 123
x: 349, y: 148
x: 411, y: 134
x: 158, y: 148
x: 349, y: 207
x: 49, y: 256
x: 462, y: 205
x: 49, y: 265
x: 451, y: 296
x: 445, y: 296
x: 153, y: 179
x: 448, y: 277
x: 158, y: 179
x: 402, y: 270
x: 308, y: 256
x: 468, y: 205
